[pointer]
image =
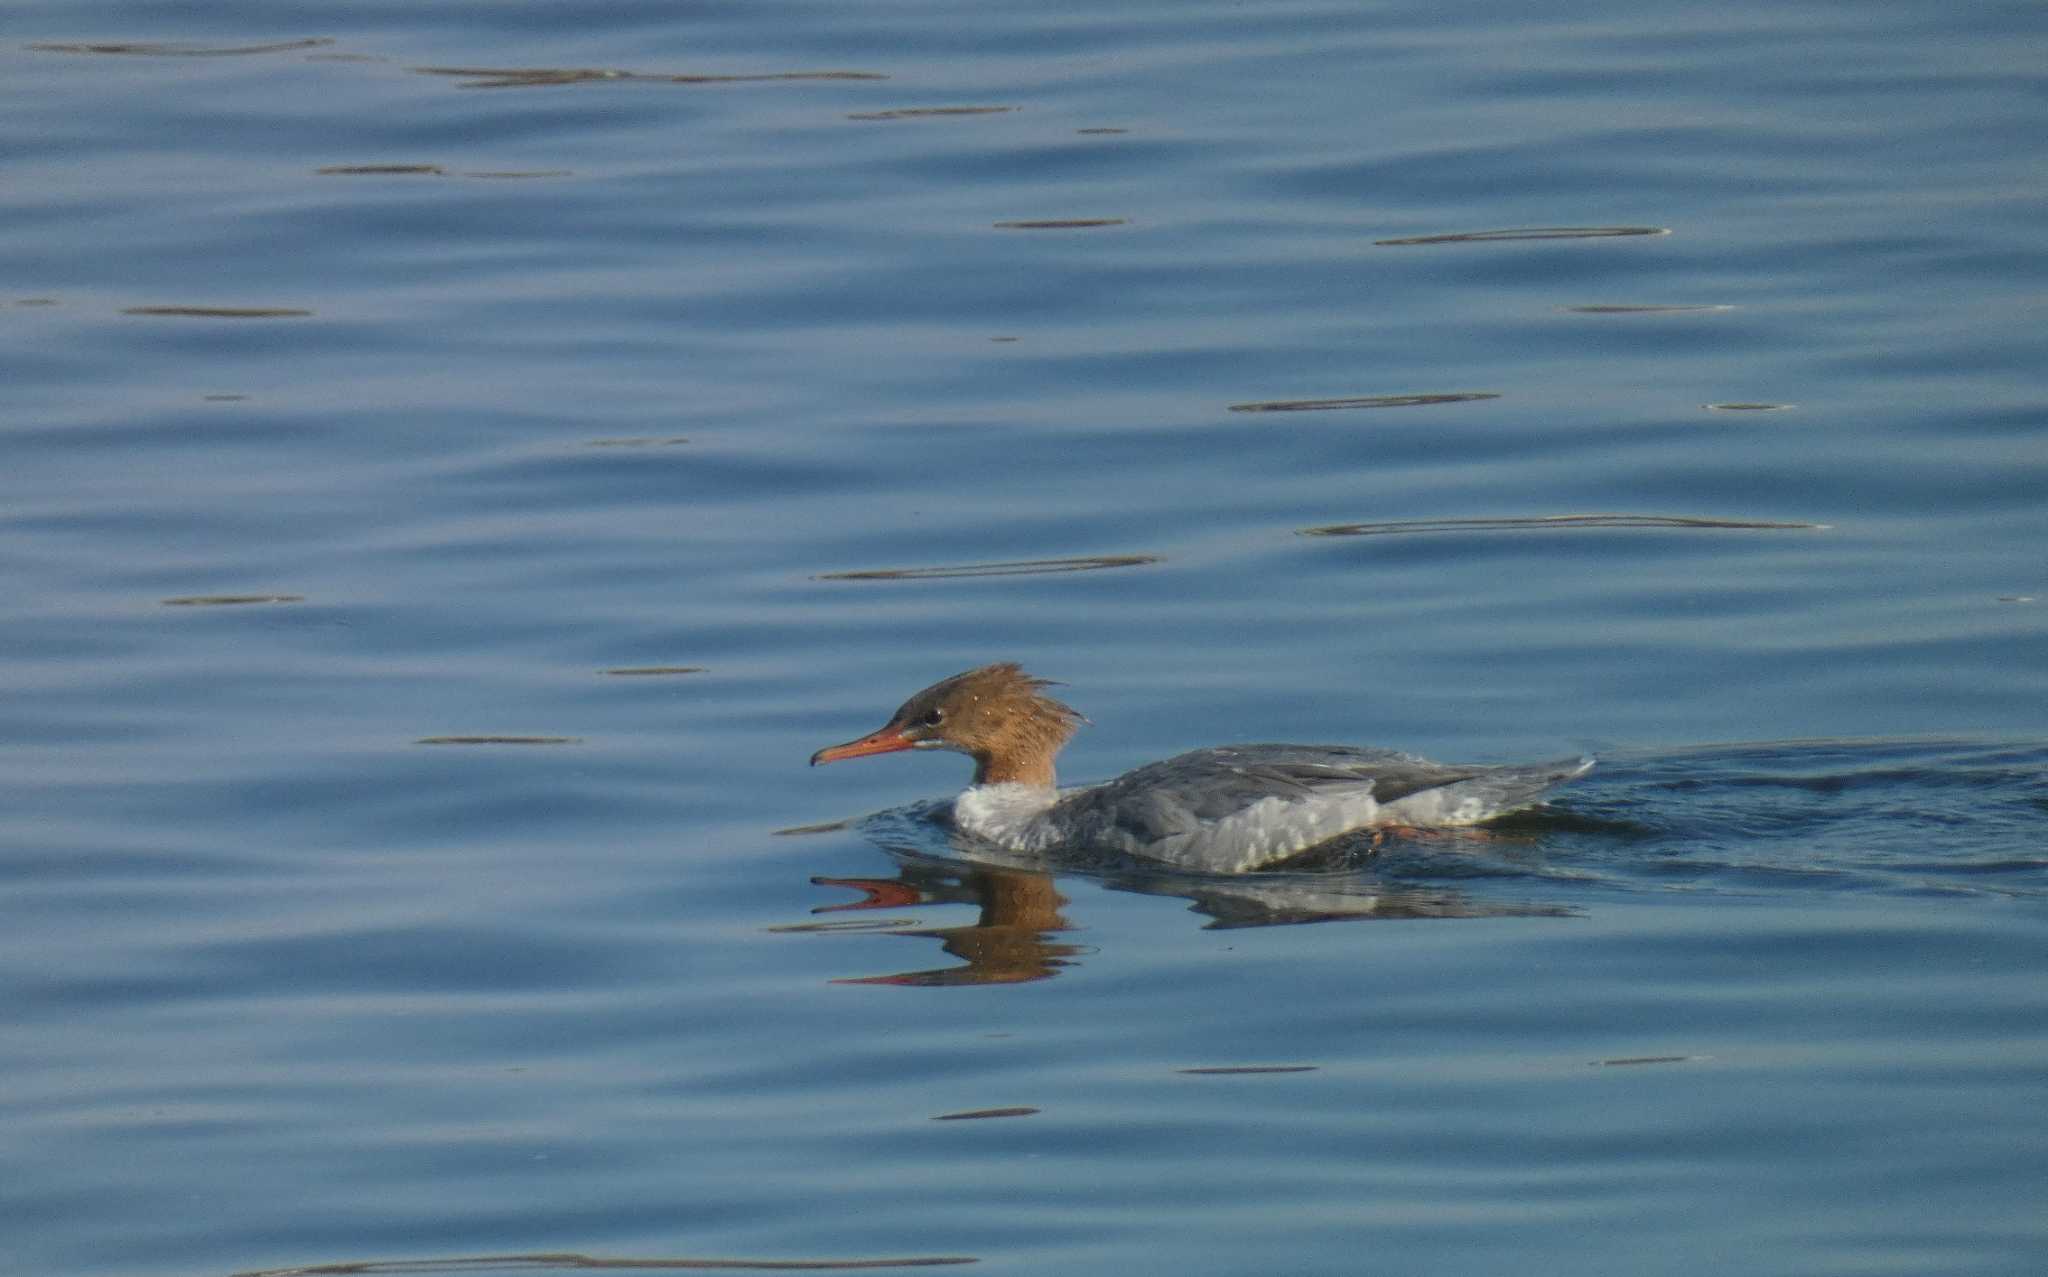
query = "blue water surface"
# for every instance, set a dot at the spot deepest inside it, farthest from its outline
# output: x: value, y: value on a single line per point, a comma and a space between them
x: 462, y: 459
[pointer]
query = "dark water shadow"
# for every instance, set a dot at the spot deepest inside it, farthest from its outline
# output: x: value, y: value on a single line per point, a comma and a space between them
x: 1749, y: 407
x: 1022, y: 567
x: 569, y: 1262
x: 218, y: 312
x: 551, y: 77
x: 1552, y: 522
x: 178, y: 49
x: 1062, y: 224
x: 652, y: 671
x: 1526, y: 233
x: 231, y: 600
x: 436, y: 170
x: 381, y: 170
x: 1363, y: 401
x: 929, y: 112
x: 499, y: 740
x: 977, y: 1115
x: 1619, y: 309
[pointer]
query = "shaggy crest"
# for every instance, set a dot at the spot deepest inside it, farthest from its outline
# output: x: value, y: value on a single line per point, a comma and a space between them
x: 993, y: 714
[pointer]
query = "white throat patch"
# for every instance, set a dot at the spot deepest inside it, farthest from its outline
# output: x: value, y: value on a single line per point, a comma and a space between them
x: 1005, y: 813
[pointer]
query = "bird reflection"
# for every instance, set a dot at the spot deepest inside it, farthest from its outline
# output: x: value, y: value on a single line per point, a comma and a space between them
x: 1010, y: 942
x: 1014, y: 937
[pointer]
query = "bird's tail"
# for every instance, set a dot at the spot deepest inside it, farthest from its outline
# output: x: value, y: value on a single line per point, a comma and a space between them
x: 1500, y: 790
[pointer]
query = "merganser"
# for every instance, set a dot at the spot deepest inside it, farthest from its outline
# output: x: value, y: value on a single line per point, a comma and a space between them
x: 1221, y: 810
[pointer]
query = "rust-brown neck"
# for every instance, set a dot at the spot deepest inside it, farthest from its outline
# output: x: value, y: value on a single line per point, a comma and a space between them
x: 993, y: 770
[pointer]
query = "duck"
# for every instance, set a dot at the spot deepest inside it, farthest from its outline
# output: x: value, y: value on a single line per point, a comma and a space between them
x: 1225, y: 809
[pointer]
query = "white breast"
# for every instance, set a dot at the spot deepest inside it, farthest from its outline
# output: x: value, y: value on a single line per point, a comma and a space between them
x: 1007, y: 815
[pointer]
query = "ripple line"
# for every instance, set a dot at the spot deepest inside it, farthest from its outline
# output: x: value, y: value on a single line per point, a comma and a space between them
x: 172, y: 49
x: 1024, y: 567
x: 929, y: 112
x: 219, y: 312
x: 565, y: 1261
x: 499, y: 740
x: 1061, y: 224
x: 1621, y: 309
x: 842, y: 926
x: 797, y: 831
x: 1547, y: 522
x: 1527, y: 232
x: 1361, y: 401
x: 380, y: 170
x: 544, y: 77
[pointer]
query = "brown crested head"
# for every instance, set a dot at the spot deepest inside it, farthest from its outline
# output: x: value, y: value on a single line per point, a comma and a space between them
x: 997, y: 714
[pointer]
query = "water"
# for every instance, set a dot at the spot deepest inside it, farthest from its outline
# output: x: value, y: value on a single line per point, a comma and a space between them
x: 631, y: 436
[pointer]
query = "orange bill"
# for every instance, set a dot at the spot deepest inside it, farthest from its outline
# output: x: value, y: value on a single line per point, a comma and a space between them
x: 886, y: 741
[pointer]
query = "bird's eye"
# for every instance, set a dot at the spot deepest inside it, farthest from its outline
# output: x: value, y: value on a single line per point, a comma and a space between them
x: 932, y: 717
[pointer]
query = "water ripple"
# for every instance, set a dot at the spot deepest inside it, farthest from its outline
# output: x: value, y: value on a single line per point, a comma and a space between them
x: 1024, y: 567
x: 1363, y: 401
x: 231, y: 600
x: 1549, y: 522
x: 173, y: 49
x: 929, y: 112
x: 219, y: 312
x: 646, y: 671
x: 1533, y: 232
x: 1061, y: 224
x: 545, y: 77
x: 499, y: 740
x: 1621, y: 309
x: 565, y: 1262
x: 380, y: 170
